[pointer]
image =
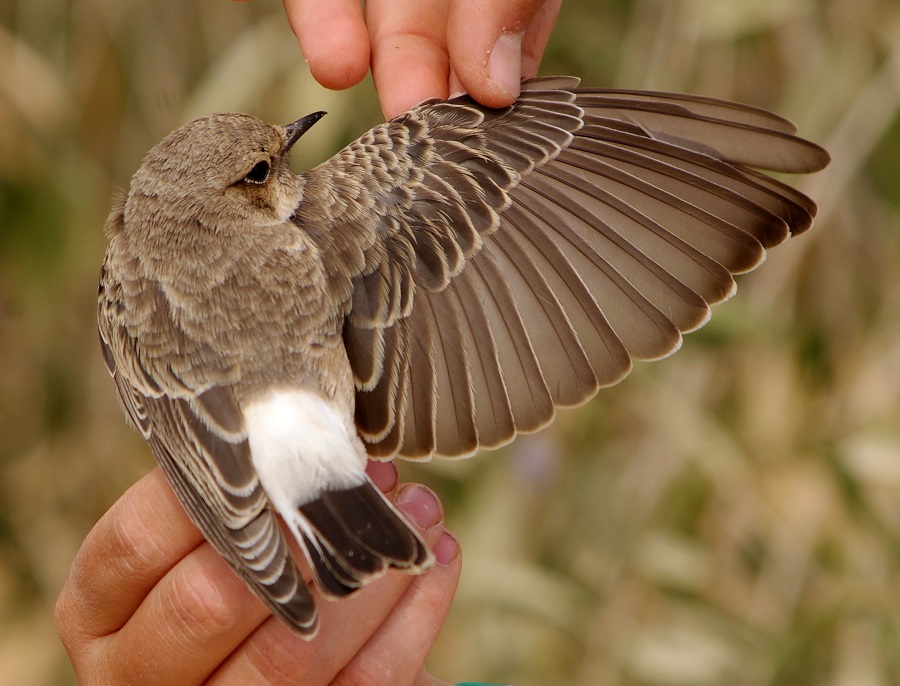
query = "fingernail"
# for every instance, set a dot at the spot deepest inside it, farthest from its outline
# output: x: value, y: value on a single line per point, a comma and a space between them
x: 382, y: 474
x: 447, y: 549
x: 505, y: 63
x: 422, y: 505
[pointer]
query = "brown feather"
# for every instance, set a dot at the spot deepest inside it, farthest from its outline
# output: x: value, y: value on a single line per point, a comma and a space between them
x: 554, y: 241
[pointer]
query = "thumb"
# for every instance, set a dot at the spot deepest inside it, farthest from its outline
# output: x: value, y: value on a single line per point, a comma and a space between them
x: 493, y: 45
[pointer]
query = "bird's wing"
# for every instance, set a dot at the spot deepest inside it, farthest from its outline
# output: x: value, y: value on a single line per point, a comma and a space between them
x: 200, y: 440
x: 499, y: 264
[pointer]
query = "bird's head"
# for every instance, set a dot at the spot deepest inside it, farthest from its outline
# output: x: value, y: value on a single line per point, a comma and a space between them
x: 219, y: 170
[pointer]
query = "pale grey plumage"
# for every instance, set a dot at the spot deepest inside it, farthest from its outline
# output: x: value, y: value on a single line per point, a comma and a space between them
x: 446, y: 281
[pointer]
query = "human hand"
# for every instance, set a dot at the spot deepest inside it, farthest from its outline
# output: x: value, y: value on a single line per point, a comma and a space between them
x: 420, y: 49
x: 148, y: 601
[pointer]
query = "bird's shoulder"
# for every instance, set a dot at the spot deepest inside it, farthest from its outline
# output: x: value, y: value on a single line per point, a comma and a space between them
x: 144, y: 339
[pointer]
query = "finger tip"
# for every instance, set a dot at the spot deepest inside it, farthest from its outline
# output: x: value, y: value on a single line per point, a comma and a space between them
x: 338, y: 73
x: 395, y: 104
x: 446, y: 550
x: 497, y: 81
x: 337, y: 58
x: 421, y: 504
x: 488, y: 94
x: 383, y: 474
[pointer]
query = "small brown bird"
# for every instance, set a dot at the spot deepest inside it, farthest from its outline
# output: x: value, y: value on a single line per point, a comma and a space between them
x: 440, y: 285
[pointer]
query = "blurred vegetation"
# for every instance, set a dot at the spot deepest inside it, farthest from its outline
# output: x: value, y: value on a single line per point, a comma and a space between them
x: 729, y: 516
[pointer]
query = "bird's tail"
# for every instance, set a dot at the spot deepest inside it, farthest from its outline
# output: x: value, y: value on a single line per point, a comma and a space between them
x: 354, y: 535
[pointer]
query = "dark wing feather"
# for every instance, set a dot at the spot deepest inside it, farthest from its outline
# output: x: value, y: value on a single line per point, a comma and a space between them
x: 199, y: 439
x: 231, y: 509
x: 499, y: 264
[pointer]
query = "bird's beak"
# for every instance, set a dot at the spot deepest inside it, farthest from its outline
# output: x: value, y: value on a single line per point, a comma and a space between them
x: 292, y: 132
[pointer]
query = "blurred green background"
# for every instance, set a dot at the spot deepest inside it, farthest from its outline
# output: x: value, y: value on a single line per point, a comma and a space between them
x: 727, y: 516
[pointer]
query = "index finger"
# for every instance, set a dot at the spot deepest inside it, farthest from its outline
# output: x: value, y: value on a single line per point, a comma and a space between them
x: 332, y: 38
x: 409, y: 52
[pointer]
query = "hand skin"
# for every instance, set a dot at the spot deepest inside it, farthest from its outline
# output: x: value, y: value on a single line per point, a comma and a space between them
x: 148, y: 601
x: 420, y: 49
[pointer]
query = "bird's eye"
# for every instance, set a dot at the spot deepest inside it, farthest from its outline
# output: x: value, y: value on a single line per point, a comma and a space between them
x: 259, y: 173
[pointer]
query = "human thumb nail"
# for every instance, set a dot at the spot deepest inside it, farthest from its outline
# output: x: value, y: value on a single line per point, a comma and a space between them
x: 505, y: 63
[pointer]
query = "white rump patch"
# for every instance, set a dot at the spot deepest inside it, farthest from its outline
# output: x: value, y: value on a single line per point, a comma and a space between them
x: 301, y: 445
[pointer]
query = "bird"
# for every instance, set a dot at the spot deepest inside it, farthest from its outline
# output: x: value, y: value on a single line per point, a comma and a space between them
x: 443, y: 283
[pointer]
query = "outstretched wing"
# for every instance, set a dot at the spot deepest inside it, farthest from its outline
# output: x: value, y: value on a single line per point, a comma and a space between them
x: 499, y: 264
x: 199, y: 438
